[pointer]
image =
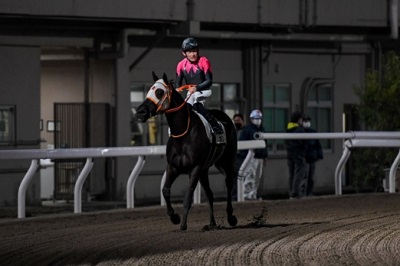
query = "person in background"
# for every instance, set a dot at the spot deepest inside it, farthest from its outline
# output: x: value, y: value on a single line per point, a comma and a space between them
x: 313, y: 154
x: 256, y: 168
x: 196, y: 70
x: 296, y: 152
x: 238, y: 120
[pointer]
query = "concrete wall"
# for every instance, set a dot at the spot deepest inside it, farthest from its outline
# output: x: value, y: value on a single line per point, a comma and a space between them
x: 118, y: 9
x: 20, y: 86
x: 275, y: 12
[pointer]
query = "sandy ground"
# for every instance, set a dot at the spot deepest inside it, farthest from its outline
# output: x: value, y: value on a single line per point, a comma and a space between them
x: 362, y: 229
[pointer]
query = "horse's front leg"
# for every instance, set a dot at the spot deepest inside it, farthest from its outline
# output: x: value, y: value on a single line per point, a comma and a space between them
x: 171, y: 175
x: 188, y: 200
x: 205, y: 183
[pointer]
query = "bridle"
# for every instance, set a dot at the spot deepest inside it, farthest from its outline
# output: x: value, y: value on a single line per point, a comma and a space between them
x: 163, y: 104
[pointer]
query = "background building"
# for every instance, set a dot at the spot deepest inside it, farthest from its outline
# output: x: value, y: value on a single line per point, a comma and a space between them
x: 73, y: 72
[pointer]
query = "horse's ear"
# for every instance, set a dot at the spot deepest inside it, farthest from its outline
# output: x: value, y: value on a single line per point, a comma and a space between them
x: 155, y: 78
x: 165, y: 78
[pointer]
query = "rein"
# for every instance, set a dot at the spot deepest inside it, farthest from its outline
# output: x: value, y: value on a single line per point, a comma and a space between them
x: 187, y: 128
x: 184, y: 87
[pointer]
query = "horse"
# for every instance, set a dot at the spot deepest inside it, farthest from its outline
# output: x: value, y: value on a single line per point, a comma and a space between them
x: 189, y: 149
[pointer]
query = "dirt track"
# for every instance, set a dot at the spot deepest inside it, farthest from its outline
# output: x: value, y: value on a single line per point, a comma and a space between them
x: 330, y: 230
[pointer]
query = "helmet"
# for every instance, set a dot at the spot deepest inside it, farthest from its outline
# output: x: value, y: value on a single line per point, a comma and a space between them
x: 256, y: 114
x: 188, y: 44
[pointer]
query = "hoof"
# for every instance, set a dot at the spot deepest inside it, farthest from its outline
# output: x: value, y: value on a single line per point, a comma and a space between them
x: 183, y: 227
x: 232, y: 220
x: 175, y: 218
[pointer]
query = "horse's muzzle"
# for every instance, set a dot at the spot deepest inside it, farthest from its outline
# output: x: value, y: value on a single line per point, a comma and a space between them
x: 142, y: 115
x: 144, y: 111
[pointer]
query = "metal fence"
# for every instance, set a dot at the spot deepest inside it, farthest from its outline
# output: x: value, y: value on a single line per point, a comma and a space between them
x: 352, y: 140
x: 90, y: 153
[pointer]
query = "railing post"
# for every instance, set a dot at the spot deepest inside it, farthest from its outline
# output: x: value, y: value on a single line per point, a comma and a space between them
x: 197, y: 194
x: 393, y: 173
x: 240, y: 179
x: 161, y: 188
x: 130, y: 187
x: 23, y: 186
x: 79, y: 184
x: 340, y: 166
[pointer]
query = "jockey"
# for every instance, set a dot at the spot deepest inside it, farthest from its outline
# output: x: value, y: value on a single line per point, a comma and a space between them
x: 196, y: 69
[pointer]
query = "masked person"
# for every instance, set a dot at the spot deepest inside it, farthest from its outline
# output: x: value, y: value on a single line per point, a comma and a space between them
x: 296, y: 152
x: 238, y: 121
x: 313, y: 154
x: 256, y: 168
x: 196, y: 70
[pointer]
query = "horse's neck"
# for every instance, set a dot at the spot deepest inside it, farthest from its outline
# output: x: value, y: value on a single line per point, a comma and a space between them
x: 178, y: 121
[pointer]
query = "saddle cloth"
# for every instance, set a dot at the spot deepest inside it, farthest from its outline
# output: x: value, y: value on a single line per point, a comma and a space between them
x: 219, y: 138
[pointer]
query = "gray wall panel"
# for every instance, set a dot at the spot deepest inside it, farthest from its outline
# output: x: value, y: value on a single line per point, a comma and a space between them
x: 226, y: 11
x: 20, y: 86
x: 139, y: 9
x: 286, y: 12
x: 352, y: 13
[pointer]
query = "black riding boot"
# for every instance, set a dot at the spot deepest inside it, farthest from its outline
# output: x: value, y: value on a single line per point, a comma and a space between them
x: 209, y: 117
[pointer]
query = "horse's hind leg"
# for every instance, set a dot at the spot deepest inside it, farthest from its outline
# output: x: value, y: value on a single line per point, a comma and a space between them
x: 205, y: 183
x: 169, y: 180
x: 230, y: 177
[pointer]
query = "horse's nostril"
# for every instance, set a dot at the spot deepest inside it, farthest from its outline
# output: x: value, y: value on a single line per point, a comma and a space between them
x: 141, y: 114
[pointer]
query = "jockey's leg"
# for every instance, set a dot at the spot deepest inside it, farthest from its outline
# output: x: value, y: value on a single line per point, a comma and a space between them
x: 191, y: 98
x: 199, y: 107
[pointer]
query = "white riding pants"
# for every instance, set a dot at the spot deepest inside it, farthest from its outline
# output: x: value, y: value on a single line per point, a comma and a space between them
x: 199, y: 96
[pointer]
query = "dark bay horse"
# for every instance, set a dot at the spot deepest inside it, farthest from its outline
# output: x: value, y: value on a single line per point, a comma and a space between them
x: 189, y: 149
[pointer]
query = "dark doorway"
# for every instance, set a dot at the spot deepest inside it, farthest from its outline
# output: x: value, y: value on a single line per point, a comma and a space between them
x: 79, y: 125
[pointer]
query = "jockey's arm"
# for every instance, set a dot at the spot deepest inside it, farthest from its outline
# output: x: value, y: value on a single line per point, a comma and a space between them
x: 178, y: 80
x: 206, y: 84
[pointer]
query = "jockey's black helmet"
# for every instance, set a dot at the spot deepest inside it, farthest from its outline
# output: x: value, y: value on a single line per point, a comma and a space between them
x: 189, y: 43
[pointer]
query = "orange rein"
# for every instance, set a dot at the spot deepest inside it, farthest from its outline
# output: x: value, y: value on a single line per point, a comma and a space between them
x: 181, y: 88
x: 184, y: 87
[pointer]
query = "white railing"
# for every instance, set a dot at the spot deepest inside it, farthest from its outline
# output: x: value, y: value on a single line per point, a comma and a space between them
x: 353, y: 139
x: 370, y: 143
x: 90, y: 153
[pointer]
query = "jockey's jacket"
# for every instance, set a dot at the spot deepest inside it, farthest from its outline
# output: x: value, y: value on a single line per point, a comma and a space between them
x: 198, y: 73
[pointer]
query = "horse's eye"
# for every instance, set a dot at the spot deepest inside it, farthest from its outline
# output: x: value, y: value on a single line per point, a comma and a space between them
x: 159, y: 93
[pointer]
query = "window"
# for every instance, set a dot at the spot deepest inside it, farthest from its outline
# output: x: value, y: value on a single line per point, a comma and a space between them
x: 276, y: 106
x: 226, y: 97
x: 7, y: 125
x: 319, y: 108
